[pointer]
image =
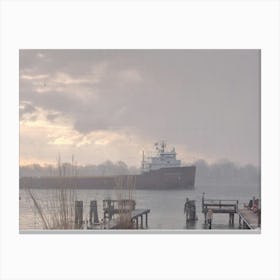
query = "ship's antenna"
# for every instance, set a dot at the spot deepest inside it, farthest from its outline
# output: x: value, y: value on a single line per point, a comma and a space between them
x: 157, y: 147
x: 163, y: 145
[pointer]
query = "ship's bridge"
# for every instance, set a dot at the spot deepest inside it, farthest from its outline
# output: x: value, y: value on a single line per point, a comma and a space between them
x: 164, y: 159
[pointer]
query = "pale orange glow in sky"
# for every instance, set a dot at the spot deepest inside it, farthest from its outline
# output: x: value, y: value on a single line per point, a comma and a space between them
x: 111, y: 104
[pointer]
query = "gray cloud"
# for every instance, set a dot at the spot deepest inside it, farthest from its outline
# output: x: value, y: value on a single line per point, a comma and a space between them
x: 26, y: 108
x: 205, y: 100
x: 52, y: 116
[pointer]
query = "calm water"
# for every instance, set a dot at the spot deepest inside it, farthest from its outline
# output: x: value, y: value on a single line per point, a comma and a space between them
x: 167, y: 207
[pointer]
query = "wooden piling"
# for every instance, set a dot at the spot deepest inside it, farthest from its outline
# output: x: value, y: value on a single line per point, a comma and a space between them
x: 190, y: 210
x: 78, y: 214
x: 231, y: 218
x: 259, y: 217
x: 93, y: 214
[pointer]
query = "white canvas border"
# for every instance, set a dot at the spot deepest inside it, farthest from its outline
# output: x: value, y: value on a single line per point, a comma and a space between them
x: 156, y: 24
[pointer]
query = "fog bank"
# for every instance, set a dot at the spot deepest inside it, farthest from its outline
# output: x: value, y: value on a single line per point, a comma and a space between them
x: 220, y: 173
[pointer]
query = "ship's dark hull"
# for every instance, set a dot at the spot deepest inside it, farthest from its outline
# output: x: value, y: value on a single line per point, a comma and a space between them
x: 165, y: 178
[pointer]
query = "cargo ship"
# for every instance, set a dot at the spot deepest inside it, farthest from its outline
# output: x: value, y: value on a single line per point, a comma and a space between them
x: 164, y: 171
x: 160, y: 171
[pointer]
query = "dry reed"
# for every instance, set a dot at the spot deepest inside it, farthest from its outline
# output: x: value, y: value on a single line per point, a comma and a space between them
x: 57, y: 212
x: 125, y: 186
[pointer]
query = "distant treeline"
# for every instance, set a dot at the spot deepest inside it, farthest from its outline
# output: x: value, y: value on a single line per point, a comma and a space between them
x: 107, y: 168
x: 226, y: 173
x: 222, y: 172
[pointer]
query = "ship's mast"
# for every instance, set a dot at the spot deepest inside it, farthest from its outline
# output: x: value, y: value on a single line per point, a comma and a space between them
x: 163, y: 145
x: 143, y: 159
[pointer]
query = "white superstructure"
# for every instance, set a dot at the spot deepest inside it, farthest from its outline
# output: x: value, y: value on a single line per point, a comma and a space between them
x: 163, y: 159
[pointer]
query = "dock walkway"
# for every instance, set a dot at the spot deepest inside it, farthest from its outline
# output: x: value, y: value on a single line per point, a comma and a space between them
x: 248, y: 219
x: 139, y: 213
x: 222, y: 206
x: 121, y: 207
x: 135, y: 216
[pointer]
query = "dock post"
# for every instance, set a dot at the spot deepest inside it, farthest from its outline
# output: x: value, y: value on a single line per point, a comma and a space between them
x: 93, y: 212
x: 146, y: 220
x: 141, y: 217
x: 193, y: 211
x: 231, y: 218
x: 240, y: 225
x: 259, y: 217
x: 78, y: 214
x: 203, y: 200
x: 205, y: 221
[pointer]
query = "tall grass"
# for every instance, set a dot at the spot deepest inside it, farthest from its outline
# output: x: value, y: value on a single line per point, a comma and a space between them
x: 58, y: 212
x: 125, y: 186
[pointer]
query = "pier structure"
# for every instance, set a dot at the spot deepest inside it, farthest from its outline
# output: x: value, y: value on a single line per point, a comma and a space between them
x: 124, y: 207
x: 222, y: 206
x: 134, y: 219
x: 140, y: 213
x: 117, y: 206
x: 249, y: 219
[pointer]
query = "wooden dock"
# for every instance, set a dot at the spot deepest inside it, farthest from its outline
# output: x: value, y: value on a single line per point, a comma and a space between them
x: 127, y: 216
x: 125, y: 208
x: 139, y: 213
x: 135, y: 216
x: 222, y: 206
x: 248, y: 219
x: 117, y: 206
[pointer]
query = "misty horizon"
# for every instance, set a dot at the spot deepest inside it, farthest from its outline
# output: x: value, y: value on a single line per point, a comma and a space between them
x: 54, y: 164
x: 224, y: 173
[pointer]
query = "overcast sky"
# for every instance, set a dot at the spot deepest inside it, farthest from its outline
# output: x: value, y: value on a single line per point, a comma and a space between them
x: 111, y: 104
